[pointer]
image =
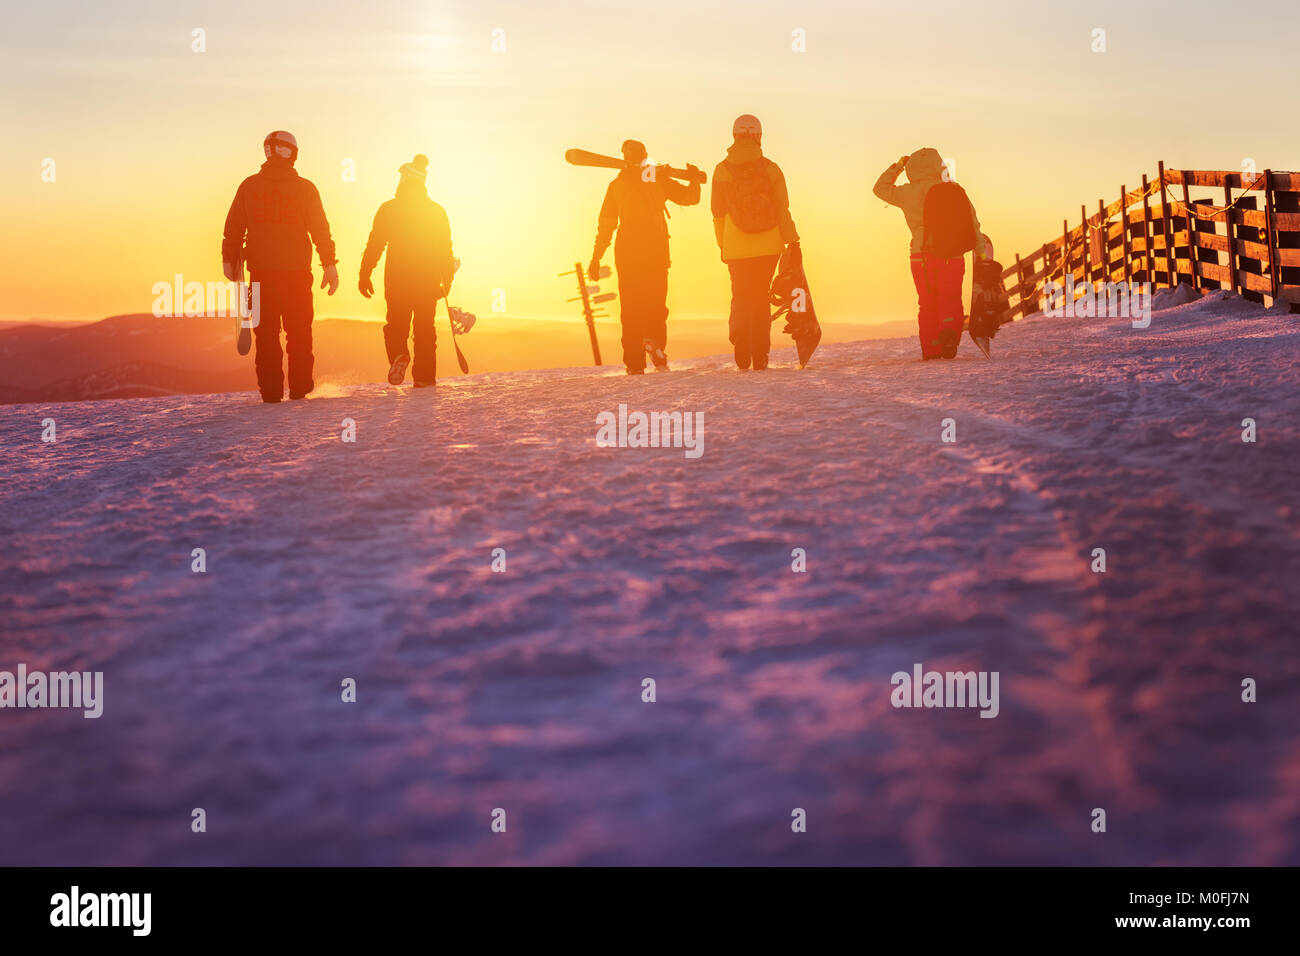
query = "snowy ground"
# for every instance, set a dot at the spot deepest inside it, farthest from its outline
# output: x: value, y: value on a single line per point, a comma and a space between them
x: 521, y: 690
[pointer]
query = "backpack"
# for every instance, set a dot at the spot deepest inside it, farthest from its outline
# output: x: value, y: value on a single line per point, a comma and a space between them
x: 949, y: 231
x: 751, y: 200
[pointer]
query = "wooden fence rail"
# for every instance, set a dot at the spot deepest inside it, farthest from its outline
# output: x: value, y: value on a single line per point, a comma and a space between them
x: 1157, y: 233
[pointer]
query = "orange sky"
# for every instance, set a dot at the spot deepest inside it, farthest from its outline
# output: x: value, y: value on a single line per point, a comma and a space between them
x: 150, y: 139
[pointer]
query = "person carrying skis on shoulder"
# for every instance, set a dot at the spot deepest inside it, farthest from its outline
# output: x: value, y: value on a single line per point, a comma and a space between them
x: 752, y: 224
x: 635, y: 205
x: 944, y: 228
x: 418, y: 272
x: 273, y: 221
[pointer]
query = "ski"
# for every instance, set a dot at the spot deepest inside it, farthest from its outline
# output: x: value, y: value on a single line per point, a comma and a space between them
x: 581, y: 157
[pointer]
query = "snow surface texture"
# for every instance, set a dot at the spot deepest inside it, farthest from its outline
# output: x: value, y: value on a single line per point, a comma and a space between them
x: 521, y: 690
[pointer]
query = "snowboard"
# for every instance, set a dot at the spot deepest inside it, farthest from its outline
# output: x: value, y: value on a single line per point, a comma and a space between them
x: 791, y: 299
x: 988, y: 299
x: 580, y: 157
x: 243, y: 334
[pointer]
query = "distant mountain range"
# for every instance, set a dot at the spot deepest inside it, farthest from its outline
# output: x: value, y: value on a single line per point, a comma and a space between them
x: 132, y: 356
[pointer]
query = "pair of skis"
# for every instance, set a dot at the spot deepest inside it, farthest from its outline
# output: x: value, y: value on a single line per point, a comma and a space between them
x: 581, y: 157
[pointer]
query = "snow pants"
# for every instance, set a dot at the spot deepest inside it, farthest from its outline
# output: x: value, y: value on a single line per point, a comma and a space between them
x: 750, y: 324
x: 285, y: 303
x: 643, y: 309
x: 416, y: 309
x: 938, y: 292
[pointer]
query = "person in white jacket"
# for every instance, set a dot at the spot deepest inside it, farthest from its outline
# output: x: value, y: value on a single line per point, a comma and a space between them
x: 938, y: 277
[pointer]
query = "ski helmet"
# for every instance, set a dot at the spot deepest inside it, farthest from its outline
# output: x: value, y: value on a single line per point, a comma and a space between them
x: 281, y: 144
x: 747, y: 125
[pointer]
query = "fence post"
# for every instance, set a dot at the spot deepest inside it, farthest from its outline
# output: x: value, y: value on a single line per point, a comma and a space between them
x: 1123, y: 231
x: 1066, y: 269
x: 1104, y: 228
x: 1084, y: 251
x: 1274, y: 275
x: 1020, y: 286
x: 1228, y: 233
x: 1167, y: 228
x: 1192, y: 229
x: 1146, y: 230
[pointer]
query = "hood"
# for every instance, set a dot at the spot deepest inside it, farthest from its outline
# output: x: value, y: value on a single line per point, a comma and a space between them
x: 925, y: 166
x: 745, y: 151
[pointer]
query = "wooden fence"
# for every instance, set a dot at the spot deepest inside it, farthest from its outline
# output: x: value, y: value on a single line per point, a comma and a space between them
x: 1160, y: 234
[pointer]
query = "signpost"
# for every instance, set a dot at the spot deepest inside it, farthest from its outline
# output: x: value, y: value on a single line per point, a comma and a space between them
x: 585, y: 295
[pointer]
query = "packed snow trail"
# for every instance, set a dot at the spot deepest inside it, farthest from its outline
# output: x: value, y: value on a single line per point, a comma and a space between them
x: 522, y: 690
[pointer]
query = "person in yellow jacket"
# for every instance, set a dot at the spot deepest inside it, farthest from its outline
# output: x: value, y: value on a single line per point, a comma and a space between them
x: 751, y: 220
x: 938, y: 278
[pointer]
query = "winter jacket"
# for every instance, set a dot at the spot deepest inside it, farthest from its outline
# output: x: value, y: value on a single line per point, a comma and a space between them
x: 274, y: 219
x: 636, y: 209
x: 417, y: 235
x: 732, y: 240
x: 924, y: 169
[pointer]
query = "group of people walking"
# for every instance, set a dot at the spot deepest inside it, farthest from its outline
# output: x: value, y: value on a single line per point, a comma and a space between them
x: 752, y: 225
x: 277, y: 217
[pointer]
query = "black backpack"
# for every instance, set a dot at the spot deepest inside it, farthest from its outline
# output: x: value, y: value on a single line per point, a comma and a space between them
x: 751, y: 199
x: 949, y: 231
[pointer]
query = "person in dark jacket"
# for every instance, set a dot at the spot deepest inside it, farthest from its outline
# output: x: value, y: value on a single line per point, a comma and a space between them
x: 418, y: 272
x: 275, y: 218
x: 634, y: 205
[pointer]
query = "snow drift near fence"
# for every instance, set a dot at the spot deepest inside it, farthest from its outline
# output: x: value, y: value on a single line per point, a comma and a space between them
x: 522, y: 690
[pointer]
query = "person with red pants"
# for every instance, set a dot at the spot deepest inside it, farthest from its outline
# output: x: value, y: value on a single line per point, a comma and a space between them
x: 274, y: 220
x: 936, y: 272
x: 635, y: 206
x: 417, y: 273
x: 752, y: 224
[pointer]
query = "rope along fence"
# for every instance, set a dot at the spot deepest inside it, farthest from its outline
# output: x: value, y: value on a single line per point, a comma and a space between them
x: 1165, y: 241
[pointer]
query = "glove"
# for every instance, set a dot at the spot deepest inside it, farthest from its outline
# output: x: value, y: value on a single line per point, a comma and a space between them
x: 694, y: 171
x: 229, y: 269
x: 330, y: 277
x: 902, y: 162
x: 593, y: 270
x: 366, y: 286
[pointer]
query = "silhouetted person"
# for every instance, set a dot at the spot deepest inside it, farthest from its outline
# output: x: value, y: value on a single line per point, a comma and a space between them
x: 943, y: 230
x: 272, y: 223
x: 417, y: 274
x: 751, y: 220
x: 634, y: 205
